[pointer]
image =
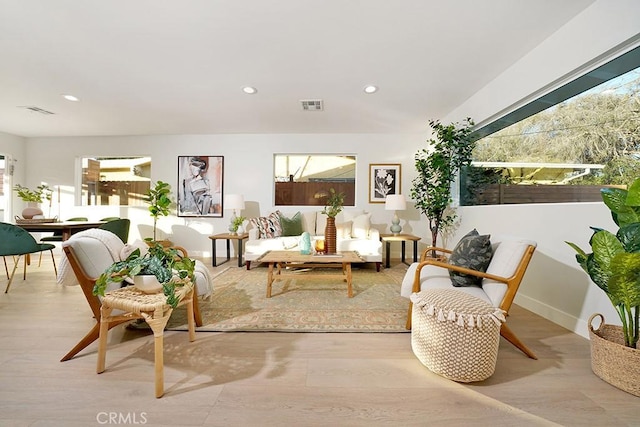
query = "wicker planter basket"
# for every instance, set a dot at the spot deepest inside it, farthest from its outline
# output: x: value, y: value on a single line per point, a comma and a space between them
x: 611, y: 360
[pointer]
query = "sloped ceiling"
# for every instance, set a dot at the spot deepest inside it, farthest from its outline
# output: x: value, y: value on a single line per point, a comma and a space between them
x: 148, y: 67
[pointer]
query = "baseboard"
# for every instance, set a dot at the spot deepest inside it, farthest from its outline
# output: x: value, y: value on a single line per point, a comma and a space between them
x: 556, y: 316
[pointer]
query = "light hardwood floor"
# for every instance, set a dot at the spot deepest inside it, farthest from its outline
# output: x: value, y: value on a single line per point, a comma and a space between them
x: 277, y: 379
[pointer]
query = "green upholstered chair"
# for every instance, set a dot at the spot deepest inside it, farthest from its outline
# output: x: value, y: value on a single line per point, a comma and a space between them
x: 16, y: 241
x: 57, y: 236
x: 119, y: 227
x: 110, y: 218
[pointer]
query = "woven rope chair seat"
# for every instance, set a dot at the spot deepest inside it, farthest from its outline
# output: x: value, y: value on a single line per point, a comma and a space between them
x: 455, y: 335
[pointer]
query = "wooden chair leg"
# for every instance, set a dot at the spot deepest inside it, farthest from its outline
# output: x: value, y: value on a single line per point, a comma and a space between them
x: 88, y: 339
x: 55, y: 269
x: 196, y: 310
x: 26, y: 261
x: 13, y: 272
x: 6, y: 269
x: 408, y: 326
x: 511, y: 337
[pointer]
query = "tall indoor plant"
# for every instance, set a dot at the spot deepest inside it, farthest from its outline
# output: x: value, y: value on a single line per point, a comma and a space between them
x: 333, y: 206
x: 614, y: 262
x: 437, y: 169
x: 159, y: 199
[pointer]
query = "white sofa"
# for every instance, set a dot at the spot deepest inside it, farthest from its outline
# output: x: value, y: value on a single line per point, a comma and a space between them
x: 354, y: 233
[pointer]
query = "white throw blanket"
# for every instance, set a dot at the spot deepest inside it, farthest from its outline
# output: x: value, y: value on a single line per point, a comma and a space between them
x: 120, y: 251
x: 111, y: 241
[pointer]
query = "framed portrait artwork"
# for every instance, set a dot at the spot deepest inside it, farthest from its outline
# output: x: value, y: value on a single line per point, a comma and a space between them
x: 200, y: 185
x: 384, y: 179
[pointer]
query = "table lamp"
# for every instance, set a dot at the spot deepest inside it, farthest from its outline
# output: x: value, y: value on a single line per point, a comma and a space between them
x: 234, y: 202
x: 395, y: 202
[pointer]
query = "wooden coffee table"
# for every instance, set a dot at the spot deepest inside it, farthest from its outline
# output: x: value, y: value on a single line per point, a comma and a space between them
x: 294, y: 259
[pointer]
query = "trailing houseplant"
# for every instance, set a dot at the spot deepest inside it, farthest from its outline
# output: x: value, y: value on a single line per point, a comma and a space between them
x: 170, y: 268
x: 159, y: 199
x: 437, y: 169
x: 614, y: 261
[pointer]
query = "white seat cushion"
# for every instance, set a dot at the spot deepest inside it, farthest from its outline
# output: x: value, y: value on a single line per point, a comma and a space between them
x: 433, y: 277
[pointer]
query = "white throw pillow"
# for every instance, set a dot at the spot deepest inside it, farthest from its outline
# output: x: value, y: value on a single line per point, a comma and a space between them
x: 321, y: 224
x: 360, y: 227
x: 309, y: 222
x: 128, y: 248
x: 343, y: 231
x: 351, y: 214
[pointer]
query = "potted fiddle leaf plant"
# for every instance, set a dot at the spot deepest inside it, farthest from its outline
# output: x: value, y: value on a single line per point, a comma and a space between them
x: 614, y: 266
x: 159, y: 200
x: 171, y: 270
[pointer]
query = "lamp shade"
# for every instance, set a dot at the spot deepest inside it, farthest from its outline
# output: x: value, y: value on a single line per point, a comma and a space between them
x: 395, y: 202
x: 234, y: 201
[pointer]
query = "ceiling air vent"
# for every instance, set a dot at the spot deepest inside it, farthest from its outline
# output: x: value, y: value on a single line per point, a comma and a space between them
x: 35, y: 109
x: 312, y: 104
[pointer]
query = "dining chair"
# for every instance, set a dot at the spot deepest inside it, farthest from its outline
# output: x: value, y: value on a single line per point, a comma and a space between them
x: 16, y: 241
x: 119, y: 227
x: 57, y: 236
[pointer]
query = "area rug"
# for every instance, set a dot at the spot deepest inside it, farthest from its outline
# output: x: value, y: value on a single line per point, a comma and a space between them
x: 302, y: 303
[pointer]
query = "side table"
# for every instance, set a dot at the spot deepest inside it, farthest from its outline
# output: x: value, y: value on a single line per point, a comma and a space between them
x: 154, y: 310
x: 403, y: 238
x: 228, y: 237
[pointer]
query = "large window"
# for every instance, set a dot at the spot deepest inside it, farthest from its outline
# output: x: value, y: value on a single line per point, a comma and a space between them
x: 564, y: 146
x: 306, y: 179
x: 120, y: 181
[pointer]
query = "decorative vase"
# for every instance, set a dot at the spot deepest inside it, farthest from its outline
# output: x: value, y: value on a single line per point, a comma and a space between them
x: 147, y: 283
x: 31, y: 210
x: 305, y: 244
x: 611, y: 360
x: 319, y: 246
x: 330, y: 236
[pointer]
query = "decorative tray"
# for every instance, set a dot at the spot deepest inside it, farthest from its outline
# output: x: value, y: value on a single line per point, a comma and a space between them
x: 35, y: 220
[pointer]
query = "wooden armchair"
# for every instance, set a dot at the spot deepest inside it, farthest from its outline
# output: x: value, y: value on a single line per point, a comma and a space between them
x: 500, y: 282
x: 87, y: 264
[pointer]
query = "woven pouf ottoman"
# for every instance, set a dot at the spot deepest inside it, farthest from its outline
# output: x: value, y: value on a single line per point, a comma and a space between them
x: 455, y: 335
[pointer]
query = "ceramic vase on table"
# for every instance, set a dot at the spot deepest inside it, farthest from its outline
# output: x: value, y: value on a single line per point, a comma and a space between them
x: 330, y: 236
x: 31, y: 210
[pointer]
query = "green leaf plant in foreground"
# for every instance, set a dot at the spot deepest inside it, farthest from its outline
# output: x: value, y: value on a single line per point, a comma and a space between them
x: 614, y: 261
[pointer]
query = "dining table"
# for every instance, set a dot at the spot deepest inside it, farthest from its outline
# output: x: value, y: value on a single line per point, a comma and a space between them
x: 67, y: 228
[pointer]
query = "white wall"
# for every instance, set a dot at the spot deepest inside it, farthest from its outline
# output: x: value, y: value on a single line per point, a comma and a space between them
x: 554, y: 286
x: 15, y: 147
x: 248, y: 170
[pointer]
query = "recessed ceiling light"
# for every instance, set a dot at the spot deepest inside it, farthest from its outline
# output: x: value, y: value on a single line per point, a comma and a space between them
x: 250, y: 90
x: 70, y: 98
x: 370, y: 89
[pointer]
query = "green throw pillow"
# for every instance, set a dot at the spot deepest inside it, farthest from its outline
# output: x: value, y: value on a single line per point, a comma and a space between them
x: 472, y: 251
x: 291, y: 226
